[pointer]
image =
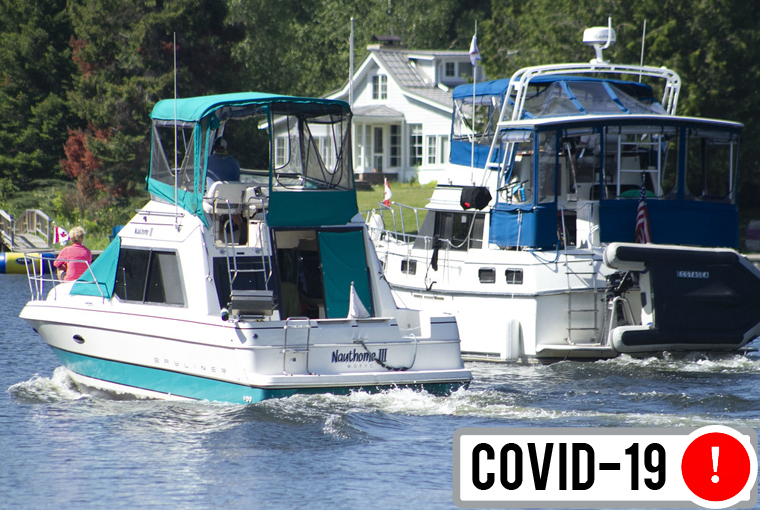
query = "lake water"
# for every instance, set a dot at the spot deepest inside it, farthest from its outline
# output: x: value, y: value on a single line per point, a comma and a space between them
x: 62, y: 449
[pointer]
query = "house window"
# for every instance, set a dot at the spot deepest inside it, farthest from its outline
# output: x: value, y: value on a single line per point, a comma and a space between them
x: 443, y: 149
x: 451, y: 70
x: 327, y: 151
x: 395, y: 156
x: 280, y: 144
x: 432, y: 150
x: 379, y: 86
x: 415, y: 144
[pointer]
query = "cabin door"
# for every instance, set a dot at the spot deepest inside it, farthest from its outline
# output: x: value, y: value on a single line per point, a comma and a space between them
x: 344, y: 260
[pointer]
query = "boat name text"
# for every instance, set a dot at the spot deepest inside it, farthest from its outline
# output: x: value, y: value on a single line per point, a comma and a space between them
x: 705, y: 275
x: 355, y: 356
x: 143, y: 231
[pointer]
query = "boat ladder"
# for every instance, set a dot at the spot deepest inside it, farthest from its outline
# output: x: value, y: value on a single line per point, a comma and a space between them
x: 582, y: 315
x: 295, y: 350
x: 254, y: 302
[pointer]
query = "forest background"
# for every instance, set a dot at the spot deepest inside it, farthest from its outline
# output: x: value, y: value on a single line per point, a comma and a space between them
x: 78, y: 78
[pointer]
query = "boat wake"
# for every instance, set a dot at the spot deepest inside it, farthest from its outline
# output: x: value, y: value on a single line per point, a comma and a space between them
x: 43, y: 390
x: 666, y: 391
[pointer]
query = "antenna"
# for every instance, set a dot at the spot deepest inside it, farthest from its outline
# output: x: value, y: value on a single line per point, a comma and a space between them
x: 600, y: 38
x: 176, y: 140
x: 643, y: 36
x: 351, y: 69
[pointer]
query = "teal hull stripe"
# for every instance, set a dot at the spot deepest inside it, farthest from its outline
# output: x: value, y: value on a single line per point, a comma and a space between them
x: 164, y: 381
x: 200, y: 388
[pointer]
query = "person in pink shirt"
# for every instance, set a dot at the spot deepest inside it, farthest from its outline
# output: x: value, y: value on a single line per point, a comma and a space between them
x: 68, y: 261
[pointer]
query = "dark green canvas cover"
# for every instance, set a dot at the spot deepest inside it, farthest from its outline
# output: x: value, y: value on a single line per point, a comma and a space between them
x: 344, y: 261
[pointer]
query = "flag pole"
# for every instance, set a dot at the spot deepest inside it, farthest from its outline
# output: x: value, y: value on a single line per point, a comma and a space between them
x: 351, y: 69
x: 473, y: 60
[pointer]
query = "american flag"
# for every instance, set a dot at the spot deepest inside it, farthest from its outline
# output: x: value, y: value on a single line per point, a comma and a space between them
x: 643, y: 235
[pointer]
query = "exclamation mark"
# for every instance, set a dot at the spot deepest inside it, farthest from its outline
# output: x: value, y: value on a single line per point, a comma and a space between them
x: 715, y: 453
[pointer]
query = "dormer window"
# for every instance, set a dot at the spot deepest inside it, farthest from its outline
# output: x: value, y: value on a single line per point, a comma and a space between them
x: 379, y: 86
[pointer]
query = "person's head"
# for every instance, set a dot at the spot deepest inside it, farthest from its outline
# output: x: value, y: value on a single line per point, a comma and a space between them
x: 77, y: 235
x: 220, y: 146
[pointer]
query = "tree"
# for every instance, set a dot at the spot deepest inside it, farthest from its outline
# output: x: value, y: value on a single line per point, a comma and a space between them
x: 124, y: 51
x: 35, y: 75
x: 712, y: 45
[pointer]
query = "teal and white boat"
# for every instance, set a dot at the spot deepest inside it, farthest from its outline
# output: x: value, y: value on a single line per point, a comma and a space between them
x: 246, y: 290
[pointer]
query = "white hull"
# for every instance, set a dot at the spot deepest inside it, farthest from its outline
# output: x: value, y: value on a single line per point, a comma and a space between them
x: 125, y: 344
x: 559, y: 305
x: 509, y: 322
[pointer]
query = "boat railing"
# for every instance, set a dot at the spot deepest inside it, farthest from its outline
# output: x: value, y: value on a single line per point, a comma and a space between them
x: 518, y: 84
x: 43, y: 278
x: 378, y: 223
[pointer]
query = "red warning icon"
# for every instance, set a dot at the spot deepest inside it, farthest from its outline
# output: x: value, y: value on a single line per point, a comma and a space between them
x: 717, y: 466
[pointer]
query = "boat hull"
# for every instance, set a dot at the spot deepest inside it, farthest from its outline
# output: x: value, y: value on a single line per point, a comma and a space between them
x: 585, y: 304
x: 244, y: 363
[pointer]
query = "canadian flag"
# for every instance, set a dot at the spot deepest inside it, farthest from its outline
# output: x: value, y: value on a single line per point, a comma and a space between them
x: 387, y: 194
x: 61, y: 236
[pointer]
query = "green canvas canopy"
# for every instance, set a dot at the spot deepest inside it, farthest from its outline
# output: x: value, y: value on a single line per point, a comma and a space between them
x: 309, y: 153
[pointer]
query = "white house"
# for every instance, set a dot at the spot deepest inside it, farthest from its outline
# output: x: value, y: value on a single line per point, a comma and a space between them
x: 402, y: 111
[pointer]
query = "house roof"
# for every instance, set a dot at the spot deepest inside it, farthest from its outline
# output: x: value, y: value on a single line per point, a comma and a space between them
x: 400, y: 66
x: 376, y: 111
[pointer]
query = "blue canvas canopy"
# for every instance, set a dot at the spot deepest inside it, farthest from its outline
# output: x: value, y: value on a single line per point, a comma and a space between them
x: 499, y: 87
x: 549, y: 96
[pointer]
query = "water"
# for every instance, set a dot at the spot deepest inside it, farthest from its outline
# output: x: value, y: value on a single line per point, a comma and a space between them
x: 60, y: 448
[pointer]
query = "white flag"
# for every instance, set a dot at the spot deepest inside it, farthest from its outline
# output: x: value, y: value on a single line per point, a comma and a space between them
x: 474, y: 53
x: 61, y: 236
x: 387, y: 194
x: 356, y: 308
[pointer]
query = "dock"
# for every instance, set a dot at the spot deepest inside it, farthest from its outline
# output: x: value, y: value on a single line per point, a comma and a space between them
x: 33, y: 232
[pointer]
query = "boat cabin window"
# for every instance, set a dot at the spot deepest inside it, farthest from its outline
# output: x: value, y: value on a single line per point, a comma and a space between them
x: 457, y: 230
x: 580, y: 164
x: 149, y: 276
x: 487, y: 110
x: 636, y: 153
x: 547, y: 165
x: 173, y: 149
x: 519, y: 177
x: 711, y: 159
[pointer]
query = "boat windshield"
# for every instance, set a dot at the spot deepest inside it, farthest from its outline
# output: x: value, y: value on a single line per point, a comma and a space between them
x: 613, y: 160
x: 310, y: 151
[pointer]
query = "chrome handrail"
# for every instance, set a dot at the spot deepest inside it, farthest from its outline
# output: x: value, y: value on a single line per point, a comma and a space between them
x: 41, y: 275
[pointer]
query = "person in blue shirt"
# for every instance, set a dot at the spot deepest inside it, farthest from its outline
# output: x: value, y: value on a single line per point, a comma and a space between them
x: 222, y: 166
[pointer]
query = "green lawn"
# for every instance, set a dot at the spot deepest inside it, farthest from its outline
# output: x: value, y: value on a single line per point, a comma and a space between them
x: 412, y: 195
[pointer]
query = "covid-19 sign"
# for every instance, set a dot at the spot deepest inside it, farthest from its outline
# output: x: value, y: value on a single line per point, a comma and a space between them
x: 709, y: 467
